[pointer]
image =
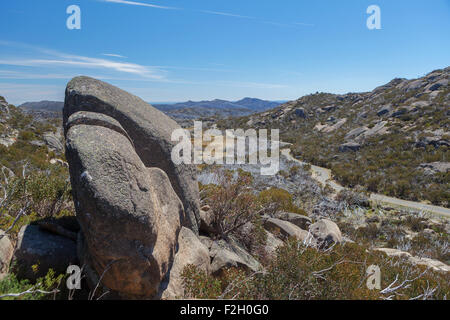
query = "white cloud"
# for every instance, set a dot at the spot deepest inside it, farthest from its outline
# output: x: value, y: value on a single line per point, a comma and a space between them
x: 142, y: 4
x: 304, y: 24
x: 62, y: 59
x: 226, y: 14
x: 113, y: 55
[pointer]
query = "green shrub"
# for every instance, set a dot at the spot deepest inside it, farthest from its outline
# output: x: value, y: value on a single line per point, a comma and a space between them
x: 281, y: 199
x: 49, y: 283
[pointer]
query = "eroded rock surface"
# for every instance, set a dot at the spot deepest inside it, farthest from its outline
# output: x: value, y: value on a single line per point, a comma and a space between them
x: 131, y: 199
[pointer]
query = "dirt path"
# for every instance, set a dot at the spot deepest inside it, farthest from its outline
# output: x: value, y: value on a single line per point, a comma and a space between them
x: 324, y: 176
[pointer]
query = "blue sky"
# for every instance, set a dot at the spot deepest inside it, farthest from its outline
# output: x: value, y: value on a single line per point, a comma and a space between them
x: 173, y: 50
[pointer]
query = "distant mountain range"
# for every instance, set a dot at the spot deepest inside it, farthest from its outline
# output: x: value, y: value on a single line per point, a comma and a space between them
x: 52, y: 106
x: 183, y: 110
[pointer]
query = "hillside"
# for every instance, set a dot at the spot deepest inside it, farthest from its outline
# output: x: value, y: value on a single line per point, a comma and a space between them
x: 393, y: 140
x: 215, y: 108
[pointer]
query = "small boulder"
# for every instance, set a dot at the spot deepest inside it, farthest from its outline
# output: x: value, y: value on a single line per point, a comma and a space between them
x: 229, y: 254
x: 355, y: 133
x: 325, y: 232
x: 6, y: 253
x: 272, y: 244
x: 285, y: 228
x: 300, y: 112
x: 385, y: 110
x: 436, y: 265
x: 206, y: 222
x: 53, y: 141
x: 191, y: 251
x: 349, y: 146
x: 301, y: 221
x: 329, y: 108
x: 42, y: 248
x: 437, y: 85
x: 435, y: 167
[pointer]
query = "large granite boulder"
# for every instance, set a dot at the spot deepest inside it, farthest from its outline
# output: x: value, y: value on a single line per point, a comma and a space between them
x: 128, y: 194
x: 148, y: 129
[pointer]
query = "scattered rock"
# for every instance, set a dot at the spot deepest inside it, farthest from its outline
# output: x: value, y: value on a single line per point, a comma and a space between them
x: 378, y: 129
x: 420, y: 104
x: 301, y: 221
x: 325, y: 232
x: 349, y: 146
x: 53, y: 141
x: 206, y: 222
x: 355, y: 133
x: 272, y: 244
x: 300, y: 112
x: 60, y: 162
x: 385, y: 110
x: 285, y: 228
x: 435, y: 141
x: 229, y: 254
x: 436, y: 265
x: 337, y: 125
x: 415, y: 84
x: 437, y: 85
x: 435, y: 167
x: 329, y: 108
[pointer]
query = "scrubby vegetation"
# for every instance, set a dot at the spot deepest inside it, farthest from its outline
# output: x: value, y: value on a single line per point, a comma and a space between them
x: 47, y: 287
x: 304, y: 273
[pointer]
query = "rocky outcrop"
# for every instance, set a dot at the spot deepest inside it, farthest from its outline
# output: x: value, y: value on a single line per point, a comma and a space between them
x: 435, y: 167
x: 435, y: 141
x: 330, y: 128
x: 131, y: 199
x: 44, y: 249
x: 6, y: 253
x: 148, y: 130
